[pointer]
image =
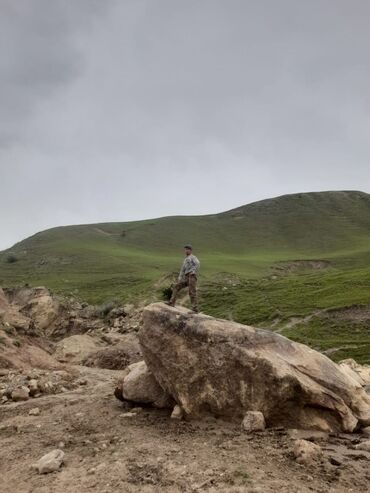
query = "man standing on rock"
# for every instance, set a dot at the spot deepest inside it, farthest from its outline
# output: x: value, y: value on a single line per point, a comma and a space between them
x: 187, y: 278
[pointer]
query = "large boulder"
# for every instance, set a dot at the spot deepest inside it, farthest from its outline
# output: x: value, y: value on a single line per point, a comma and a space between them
x: 218, y: 366
x: 140, y: 386
x: 43, y: 308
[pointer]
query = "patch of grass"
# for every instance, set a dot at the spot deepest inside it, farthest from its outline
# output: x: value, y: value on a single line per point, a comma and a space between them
x: 351, y: 340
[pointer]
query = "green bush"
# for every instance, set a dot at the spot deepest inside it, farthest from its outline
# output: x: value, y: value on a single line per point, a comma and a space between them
x: 167, y: 293
x: 104, y: 309
x: 11, y: 258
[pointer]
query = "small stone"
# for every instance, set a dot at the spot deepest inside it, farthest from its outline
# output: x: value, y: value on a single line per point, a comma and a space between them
x: 177, y: 412
x: 306, y: 452
x: 91, y: 471
x: 253, y: 421
x: 33, y: 387
x: 50, y: 462
x: 34, y: 412
x: 21, y: 394
x: 61, y: 445
x: 363, y: 446
x: 336, y: 461
x: 136, y: 409
x: 128, y: 415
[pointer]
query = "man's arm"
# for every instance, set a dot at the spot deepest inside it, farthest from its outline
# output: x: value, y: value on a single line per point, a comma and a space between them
x: 182, y: 271
x: 194, y: 265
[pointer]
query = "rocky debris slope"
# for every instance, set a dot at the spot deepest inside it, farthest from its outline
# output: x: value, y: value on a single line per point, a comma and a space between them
x: 126, y: 351
x: 225, y: 368
x: 39, y: 329
x: 19, y: 386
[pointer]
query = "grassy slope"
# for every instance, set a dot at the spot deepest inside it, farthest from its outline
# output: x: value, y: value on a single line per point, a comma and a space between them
x: 125, y: 260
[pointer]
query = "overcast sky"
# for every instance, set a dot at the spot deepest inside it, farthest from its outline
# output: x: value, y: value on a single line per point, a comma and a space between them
x: 127, y: 109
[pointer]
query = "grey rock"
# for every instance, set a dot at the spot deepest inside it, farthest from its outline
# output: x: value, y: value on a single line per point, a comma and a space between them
x: 306, y: 452
x: 177, y: 412
x: 50, y: 462
x: 253, y: 421
x: 34, y: 412
x: 21, y: 394
x: 140, y: 386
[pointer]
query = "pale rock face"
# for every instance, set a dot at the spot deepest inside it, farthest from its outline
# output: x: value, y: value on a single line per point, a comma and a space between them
x: 43, y: 309
x: 227, y: 369
x: 361, y: 373
x: 50, y: 462
x: 26, y: 308
x: 253, y: 421
x: 140, y: 386
x: 306, y: 452
x: 75, y: 349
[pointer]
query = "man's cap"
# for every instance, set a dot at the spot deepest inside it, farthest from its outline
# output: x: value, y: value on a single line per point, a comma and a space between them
x: 188, y: 246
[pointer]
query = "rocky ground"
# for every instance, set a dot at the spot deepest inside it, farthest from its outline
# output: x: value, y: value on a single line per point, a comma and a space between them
x: 50, y: 400
x: 109, y: 449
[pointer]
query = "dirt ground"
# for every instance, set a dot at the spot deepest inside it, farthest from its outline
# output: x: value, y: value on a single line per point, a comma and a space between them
x: 148, y: 452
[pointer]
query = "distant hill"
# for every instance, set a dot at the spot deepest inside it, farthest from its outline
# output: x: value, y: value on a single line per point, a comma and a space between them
x: 267, y: 262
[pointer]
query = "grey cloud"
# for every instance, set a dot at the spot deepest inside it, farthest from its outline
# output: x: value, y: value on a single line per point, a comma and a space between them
x: 107, y: 107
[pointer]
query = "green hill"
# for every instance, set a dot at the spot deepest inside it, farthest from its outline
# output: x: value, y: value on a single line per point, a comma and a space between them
x: 296, y: 262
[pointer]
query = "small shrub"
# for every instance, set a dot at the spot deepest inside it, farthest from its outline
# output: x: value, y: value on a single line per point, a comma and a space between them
x: 104, y: 309
x: 11, y: 259
x: 167, y: 293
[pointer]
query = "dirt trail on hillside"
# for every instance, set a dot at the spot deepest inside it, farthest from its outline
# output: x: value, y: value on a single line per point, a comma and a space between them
x: 148, y: 452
